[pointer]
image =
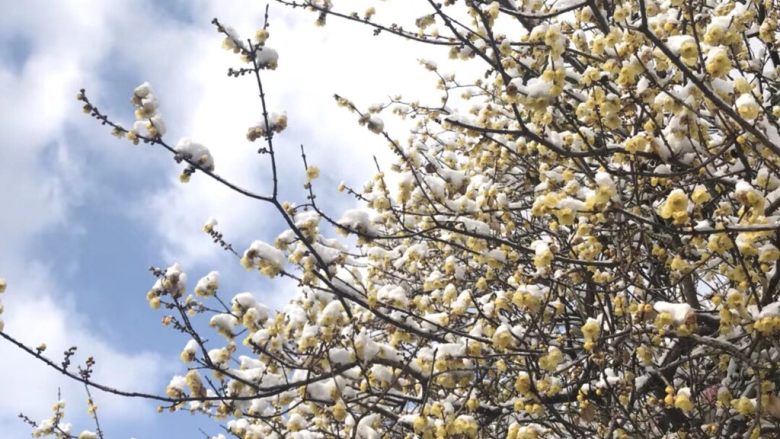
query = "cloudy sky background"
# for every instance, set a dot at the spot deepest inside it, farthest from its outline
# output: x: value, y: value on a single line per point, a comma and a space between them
x: 84, y: 214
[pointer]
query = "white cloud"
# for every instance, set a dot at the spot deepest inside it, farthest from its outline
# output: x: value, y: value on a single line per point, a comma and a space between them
x: 44, y: 171
x: 33, y: 316
x: 63, y: 49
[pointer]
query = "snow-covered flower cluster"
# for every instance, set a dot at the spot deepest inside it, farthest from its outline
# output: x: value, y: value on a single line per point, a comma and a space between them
x: 277, y: 122
x: 148, y: 121
x: 207, y: 285
x: 267, y: 58
x: 264, y: 257
x: 170, y: 282
x: 196, y: 154
x: 373, y: 123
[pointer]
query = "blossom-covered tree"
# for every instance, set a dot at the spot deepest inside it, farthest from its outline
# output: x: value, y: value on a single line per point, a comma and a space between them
x: 581, y: 243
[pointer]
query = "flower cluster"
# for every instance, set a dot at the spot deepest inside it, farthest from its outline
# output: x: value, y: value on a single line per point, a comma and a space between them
x: 196, y: 154
x: 148, y: 121
x: 170, y: 282
x: 277, y: 122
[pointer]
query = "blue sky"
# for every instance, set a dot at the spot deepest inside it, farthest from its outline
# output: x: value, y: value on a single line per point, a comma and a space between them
x: 84, y: 214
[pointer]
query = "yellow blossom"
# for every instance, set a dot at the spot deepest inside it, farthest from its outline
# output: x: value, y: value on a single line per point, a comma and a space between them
x: 502, y: 338
x: 312, y: 172
x: 591, y: 329
x: 550, y: 361
x: 718, y: 62
x: 523, y: 383
x: 700, y: 195
x: 743, y: 406
x: 689, y: 52
x: 675, y: 206
x: 748, y: 107
x: 682, y: 400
